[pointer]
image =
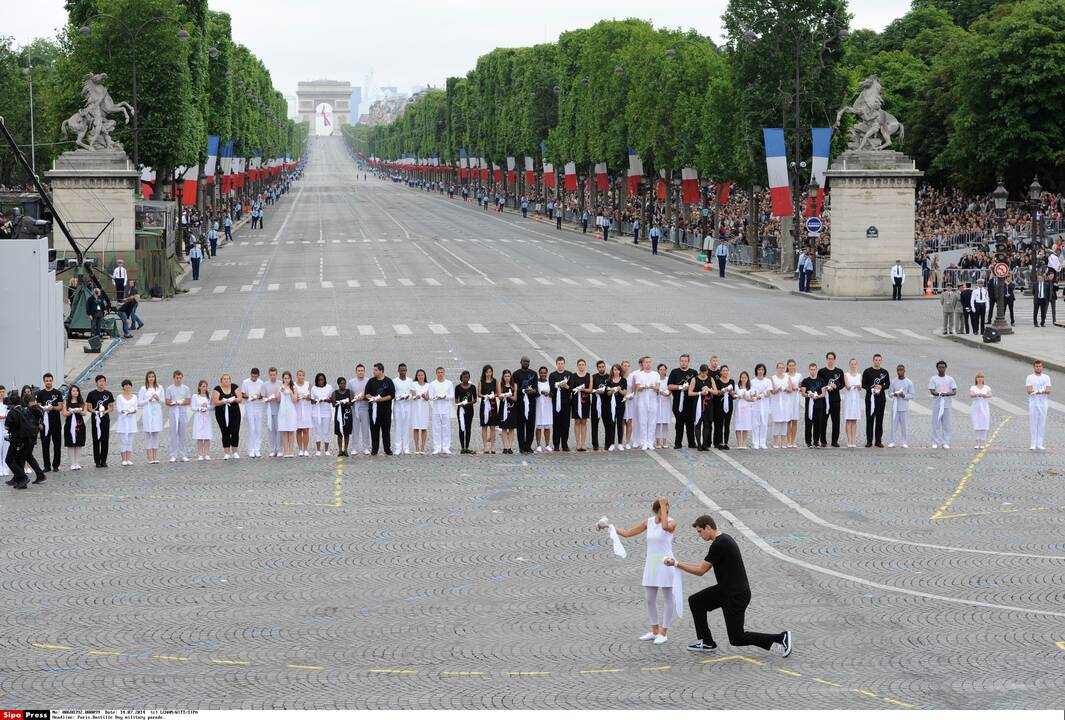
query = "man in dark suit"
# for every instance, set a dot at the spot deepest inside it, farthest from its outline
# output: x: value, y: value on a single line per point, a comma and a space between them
x: 1041, y: 300
x: 966, y: 307
x: 96, y: 308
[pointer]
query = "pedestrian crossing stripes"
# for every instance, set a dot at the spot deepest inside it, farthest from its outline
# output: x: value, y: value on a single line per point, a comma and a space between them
x: 219, y: 289
x: 592, y: 328
x: 809, y: 330
x: 219, y: 335
x: 256, y: 333
x: 147, y: 339
x: 772, y: 330
x: 663, y: 328
x: 366, y: 330
x: 879, y: 333
x: 842, y: 331
x: 478, y: 328
x: 329, y: 330
x: 401, y: 329
x: 735, y: 328
x: 438, y: 329
x: 700, y: 329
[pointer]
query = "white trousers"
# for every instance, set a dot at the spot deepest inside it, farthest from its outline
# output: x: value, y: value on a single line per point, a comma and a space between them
x: 3, y: 454
x: 253, y: 426
x: 650, y: 594
x: 323, y: 429
x: 273, y: 435
x: 125, y: 441
x: 759, y: 426
x: 179, y: 430
x: 941, y: 427
x: 360, y: 428
x: 441, y: 432
x: 900, y: 428
x: 401, y: 436
x: 1037, y: 424
x: 151, y: 440
x: 644, y: 432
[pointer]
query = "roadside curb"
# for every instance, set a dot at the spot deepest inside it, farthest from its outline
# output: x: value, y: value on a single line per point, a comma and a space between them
x: 1000, y: 350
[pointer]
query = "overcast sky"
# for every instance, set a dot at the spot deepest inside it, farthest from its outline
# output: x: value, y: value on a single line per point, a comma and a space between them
x: 418, y: 42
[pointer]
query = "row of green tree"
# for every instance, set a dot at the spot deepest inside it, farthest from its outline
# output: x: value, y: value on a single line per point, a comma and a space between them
x: 975, y: 83
x: 193, y: 80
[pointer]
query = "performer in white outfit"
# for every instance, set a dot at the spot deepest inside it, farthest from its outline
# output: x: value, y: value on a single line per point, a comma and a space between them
x: 126, y: 407
x: 645, y: 388
x: 901, y: 392
x: 271, y: 392
x: 544, y: 412
x: 304, y: 419
x: 980, y: 412
x: 150, y: 398
x: 3, y: 433
x: 360, y: 414
x: 402, y: 410
x: 253, y: 390
x: 781, y: 406
x: 419, y: 412
x: 631, y: 406
x: 322, y: 414
x: 287, y: 414
x: 441, y: 392
x: 761, y: 390
x: 798, y: 403
x: 665, y: 408
x: 202, y: 420
x: 1038, y: 387
x: 657, y: 576
x: 852, y: 402
x: 178, y: 397
x: 943, y: 388
x: 742, y: 420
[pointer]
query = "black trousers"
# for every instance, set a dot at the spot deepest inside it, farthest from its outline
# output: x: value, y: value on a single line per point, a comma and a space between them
x: 733, y: 608
x: 20, y: 454
x: 381, y: 429
x: 584, y: 226
x: 722, y: 422
x: 896, y: 289
x: 55, y: 438
x: 833, y: 413
x: 560, y: 427
x: 1039, y: 312
x: 874, y: 424
x: 815, y: 426
x: 465, y: 417
x: 978, y: 317
x: 614, y: 430
x: 120, y: 289
x: 684, y: 422
x: 654, y: 245
x: 100, y: 441
x: 721, y: 260
x: 704, y: 430
x: 230, y: 431
x: 595, y: 427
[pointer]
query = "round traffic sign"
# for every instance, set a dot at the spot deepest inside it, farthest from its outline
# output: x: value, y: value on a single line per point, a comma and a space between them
x: 814, y: 225
x: 1001, y: 270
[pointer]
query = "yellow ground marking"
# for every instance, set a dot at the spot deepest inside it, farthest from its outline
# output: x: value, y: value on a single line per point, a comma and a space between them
x: 1002, y: 511
x: 1060, y: 644
x: 305, y: 667
x: 744, y: 658
x: 461, y: 673
x: 104, y: 652
x: 941, y: 511
x: 45, y: 646
x: 168, y: 657
x: 867, y: 693
x: 230, y: 662
x: 826, y: 682
x: 660, y: 667
x: 605, y: 670
x: 520, y: 672
x: 789, y: 672
x: 899, y: 703
x: 392, y: 671
x: 338, y: 487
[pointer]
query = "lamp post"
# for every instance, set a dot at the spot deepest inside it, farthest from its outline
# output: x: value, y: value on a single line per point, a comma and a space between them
x: 1000, y: 197
x: 28, y: 71
x: 1035, y: 197
x: 132, y: 34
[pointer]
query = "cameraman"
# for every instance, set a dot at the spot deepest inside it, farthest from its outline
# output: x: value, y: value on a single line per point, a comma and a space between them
x: 22, y: 426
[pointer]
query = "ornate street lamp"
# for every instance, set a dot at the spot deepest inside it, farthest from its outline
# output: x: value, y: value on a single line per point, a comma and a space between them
x: 1000, y: 196
x: 1035, y: 197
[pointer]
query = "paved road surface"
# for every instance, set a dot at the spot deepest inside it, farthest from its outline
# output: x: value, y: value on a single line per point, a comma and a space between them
x: 478, y: 581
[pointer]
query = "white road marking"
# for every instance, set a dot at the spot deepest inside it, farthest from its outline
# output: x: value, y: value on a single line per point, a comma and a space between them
x: 366, y: 330
x: 406, y: 282
x: 146, y: 339
x: 735, y: 328
x: 183, y: 337
x: 353, y: 283
x: 330, y: 331
x: 569, y: 281
x: 246, y: 288
x: 219, y: 289
x: 516, y: 281
x: 663, y: 328
x: 544, y: 281
x: 842, y: 331
x: 596, y: 281
x: 218, y: 335
x: 878, y: 332
x: 478, y: 328
x: 401, y: 329
x: 380, y: 283
x: 910, y: 333
x: 327, y: 284
x: 432, y: 281
x: 628, y: 328
x: 700, y: 329
x: 194, y: 290
x: 592, y: 328
x: 293, y: 332
x: 809, y: 330
x: 301, y: 286
x: 1007, y: 406
x: 646, y: 282
x: 439, y: 329
x: 624, y: 283
x: 272, y: 287
x: 772, y: 330
x: 256, y: 333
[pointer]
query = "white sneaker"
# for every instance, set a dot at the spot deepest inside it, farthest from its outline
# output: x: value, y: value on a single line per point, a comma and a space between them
x: 273, y: 454
x: 946, y: 447
x: 538, y: 449
x: 199, y: 457
x: 367, y: 452
x: 447, y: 452
x: 173, y: 459
x: 934, y: 446
x: 648, y: 636
x: 548, y: 449
x: 226, y: 456
x: 661, y: 639
x: 236, y: 456
x: 905, y: 445
x: 891, y: 445
x: 206, y: 457
x: 318, y: 453
x: 610, y: 449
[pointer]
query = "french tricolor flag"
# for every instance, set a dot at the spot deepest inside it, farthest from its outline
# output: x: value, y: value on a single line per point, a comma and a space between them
x: 602, y: 181
x: 549, y: 175
x: 570, y: 177
x: 822, y: 142
x: 635, y: 172
x: 530, y: 172
x: 512, y: 173
x: 777, y: 168
x: 689, y: 185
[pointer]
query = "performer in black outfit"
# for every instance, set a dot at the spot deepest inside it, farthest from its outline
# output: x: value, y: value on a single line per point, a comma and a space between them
x: 102, y: 403
x: 581, y: 404
x: 703, y: 411
x: 560, y: 400
x: 50, y: 401
x: 466, y: 394
x: 227, y: 415
x: 342, y: 418
x: 683, y: 407
x: 813, y: 393
x: 732, y: 593
x: 875, y: 382
x: 525, y: 384
x: 613, y: 404
x: 722, y: 402
x: 598, y: 401
x: 832, y: 377
x: 381, y: 387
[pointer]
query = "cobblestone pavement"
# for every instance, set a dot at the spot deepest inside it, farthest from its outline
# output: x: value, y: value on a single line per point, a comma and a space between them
x: 918, y: 578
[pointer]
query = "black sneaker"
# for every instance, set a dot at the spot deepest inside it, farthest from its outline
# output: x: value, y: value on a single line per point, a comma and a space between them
x: 700, y: 646
x: 785, y: 644
x: 40, y: 479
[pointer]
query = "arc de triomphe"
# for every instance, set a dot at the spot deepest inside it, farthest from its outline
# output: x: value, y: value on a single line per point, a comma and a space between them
x: 335, y: 93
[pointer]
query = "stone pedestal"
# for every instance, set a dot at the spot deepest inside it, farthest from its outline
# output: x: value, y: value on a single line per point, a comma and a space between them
x: 873, y: 205
x: 91, y: 188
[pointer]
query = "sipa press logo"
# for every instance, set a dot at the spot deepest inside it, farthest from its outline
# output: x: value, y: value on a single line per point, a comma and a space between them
x: 25, y: 714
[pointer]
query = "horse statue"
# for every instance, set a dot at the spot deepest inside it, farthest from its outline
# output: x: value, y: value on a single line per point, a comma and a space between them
x: 91, y: 124
x: 875, y: 125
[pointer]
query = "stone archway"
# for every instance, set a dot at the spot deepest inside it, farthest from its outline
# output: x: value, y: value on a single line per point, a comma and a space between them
x: 335, y: 94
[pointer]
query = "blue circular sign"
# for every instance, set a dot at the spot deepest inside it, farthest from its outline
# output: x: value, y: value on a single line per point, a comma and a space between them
x: 814, y: 225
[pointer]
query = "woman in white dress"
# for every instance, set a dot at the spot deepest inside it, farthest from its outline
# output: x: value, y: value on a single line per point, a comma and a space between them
x: 3, y: 433
x: 287, y: 413
x: 761, y: 389
x: 852, y: 402
x: 419, y: 411
x: 980, y: 414
x: 304, y: 420
x: 780, y: 406
x: 795, y: 398
x: 657, y: 576
x: 742, y: 420
x: 322, y: 414
x: 544, y: 412
x: 150, y: 398
x: 202, y: 420
x: 665, y: 409
x: 126, y: 405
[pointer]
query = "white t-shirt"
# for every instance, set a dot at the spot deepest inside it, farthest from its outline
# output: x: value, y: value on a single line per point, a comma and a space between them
x: 442, y: 393
x: 403, y: 388
x: 1037, y: 383
x: 252, y: 389
x: 943, y: 384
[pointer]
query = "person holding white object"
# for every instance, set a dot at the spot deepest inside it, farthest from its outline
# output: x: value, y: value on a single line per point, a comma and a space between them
x: 980, y: 415
x: 1038, y: 387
